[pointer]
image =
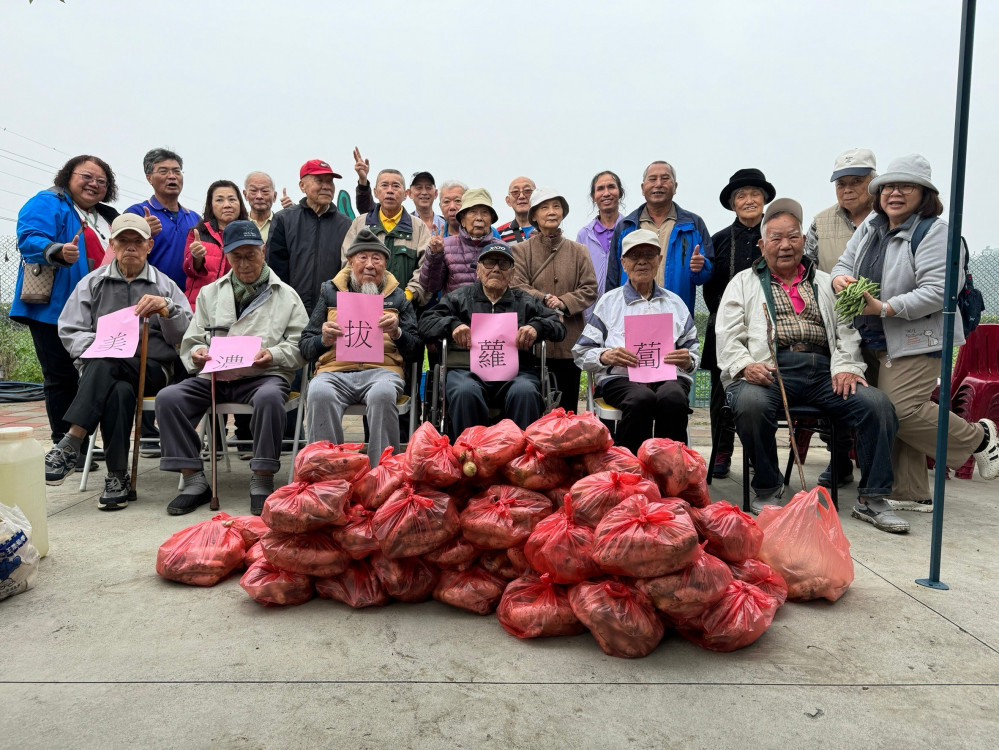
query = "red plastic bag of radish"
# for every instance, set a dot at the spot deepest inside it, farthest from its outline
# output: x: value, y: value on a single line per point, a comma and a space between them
x: 482, y: 450
x: 535, y: 606
x: 325, y: 461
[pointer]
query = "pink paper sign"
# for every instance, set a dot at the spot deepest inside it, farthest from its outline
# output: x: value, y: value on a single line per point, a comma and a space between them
x: 232, y: 353
x: 494, y: 346
x: 362, y: 340
x: 117, y: 336
x: 649, y: 337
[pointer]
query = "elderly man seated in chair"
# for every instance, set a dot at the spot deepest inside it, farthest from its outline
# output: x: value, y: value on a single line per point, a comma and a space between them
x: 107, y: 394
x: 467, y: 396
x: 341, y: 383
x: 249, y: 300
x: 600, y: 349
x: 818, y: 358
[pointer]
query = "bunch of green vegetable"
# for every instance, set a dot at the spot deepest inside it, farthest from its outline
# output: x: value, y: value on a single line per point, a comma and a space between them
x: 850, y: 302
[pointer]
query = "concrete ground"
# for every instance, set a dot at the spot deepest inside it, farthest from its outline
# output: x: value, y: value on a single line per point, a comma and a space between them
x: 104, y: 653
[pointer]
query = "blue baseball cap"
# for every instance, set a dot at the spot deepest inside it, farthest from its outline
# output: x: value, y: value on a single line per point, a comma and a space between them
x: 497, y: 248
x: 240, y: 232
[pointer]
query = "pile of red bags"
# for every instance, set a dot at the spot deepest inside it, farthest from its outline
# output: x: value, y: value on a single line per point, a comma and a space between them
x: 553, y: 528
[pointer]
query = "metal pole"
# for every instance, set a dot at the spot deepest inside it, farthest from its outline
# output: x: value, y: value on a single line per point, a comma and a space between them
x: 950, y: 286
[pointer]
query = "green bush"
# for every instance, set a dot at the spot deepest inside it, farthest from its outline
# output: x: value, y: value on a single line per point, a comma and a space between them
x: 18, y: 360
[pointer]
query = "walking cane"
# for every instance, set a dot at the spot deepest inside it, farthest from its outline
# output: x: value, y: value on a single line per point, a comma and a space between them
x: 214, y: 505
x: 783, y: 395
x: 143, y: 351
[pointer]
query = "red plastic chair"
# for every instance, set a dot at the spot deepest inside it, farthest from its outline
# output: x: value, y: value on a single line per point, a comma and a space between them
x: 974, y: 383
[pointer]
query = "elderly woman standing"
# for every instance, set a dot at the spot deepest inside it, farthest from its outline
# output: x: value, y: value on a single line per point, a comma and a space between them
x: 204, y: 261
x: 736, y: 248
x: 560, y: 273
x: 606, y: 192
x: 903, y: 246
x: 62, y: 234
x: 450, y: 260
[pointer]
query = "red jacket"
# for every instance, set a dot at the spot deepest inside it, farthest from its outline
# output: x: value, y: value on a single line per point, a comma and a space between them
x: 216, y: 264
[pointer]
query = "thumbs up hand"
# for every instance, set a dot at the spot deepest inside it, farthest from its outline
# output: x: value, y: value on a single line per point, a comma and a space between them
x: 155, y: 225
x: 70, y: 252
x: 198, y: 250
x: 285, y: 200
x: 696, y: 260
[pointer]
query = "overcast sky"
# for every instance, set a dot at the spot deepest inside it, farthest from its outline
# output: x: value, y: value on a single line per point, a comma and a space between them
x: 483, y: 92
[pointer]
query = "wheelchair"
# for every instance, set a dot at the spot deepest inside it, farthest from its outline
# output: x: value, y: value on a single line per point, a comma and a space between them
x: 459, y: 359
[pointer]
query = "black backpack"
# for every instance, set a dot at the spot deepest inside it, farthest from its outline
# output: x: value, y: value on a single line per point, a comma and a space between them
x: 970, y: 302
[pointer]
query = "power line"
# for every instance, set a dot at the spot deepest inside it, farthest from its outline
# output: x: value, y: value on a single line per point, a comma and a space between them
x: 12, y: 192
x: 18, y: 177
x: 126, y: 191
x: 60, y: 151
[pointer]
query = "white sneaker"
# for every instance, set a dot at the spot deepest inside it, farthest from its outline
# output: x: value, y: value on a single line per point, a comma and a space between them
x: 916, y: 506
x: 988, y: 458
x: 758, y: 502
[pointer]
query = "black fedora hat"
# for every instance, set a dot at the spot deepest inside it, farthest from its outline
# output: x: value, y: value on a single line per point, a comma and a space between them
x: 746, y: 178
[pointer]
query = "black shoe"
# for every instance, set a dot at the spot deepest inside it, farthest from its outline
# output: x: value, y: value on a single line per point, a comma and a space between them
x: 723, y: 464
x: 845, y: 476
x: 59, y: 464
x: 116, y: 492
x: 185, y: 503
x: 257, y: 504
x: 94, y: 466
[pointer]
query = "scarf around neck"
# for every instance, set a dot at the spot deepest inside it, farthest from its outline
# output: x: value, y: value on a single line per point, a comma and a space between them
x: 243, y: 293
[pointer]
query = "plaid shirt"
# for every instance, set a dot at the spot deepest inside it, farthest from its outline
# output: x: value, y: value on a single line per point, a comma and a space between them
x: 792, y: 328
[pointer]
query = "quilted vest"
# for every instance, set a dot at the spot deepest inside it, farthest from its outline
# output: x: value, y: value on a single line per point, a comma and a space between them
x: 833, y: 230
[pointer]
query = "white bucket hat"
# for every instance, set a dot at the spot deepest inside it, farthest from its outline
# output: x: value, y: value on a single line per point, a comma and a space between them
x: 546, y: 194
x: 911, y: 168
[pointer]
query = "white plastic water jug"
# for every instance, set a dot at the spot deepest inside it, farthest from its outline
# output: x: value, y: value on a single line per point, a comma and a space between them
x: 22, y: 480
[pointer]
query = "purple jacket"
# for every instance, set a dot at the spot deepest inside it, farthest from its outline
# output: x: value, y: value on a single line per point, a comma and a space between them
x: 454, y: 267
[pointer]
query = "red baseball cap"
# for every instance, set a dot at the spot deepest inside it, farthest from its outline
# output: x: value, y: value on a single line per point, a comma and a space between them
x: 316, y: 166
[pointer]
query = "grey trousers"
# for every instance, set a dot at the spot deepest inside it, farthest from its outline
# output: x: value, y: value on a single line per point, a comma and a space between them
x: 330, y: 393
x: 179, y: 406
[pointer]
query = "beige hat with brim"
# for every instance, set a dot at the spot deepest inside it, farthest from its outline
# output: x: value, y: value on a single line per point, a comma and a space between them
x: 477, y: 197
x: 913, y: 168
x: 546, y: 194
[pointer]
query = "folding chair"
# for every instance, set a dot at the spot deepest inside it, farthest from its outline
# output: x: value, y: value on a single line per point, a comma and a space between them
x: 817, y: 422
x: 294, y: 401
x: 148, y: 404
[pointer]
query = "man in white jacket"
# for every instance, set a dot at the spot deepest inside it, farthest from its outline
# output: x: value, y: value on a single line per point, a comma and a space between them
x: 819, y: 360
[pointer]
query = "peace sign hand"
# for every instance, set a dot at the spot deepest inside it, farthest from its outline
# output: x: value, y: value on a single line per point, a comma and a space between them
x: 437, y: 240
x: 361, y: 166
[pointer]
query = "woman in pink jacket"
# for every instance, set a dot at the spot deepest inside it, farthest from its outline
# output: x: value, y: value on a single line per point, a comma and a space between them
x: 204, y: 261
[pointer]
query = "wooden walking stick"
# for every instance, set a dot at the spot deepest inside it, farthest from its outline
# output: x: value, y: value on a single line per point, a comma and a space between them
x: 143, y: 351
x: 214, y: 505
x: 783, y: 395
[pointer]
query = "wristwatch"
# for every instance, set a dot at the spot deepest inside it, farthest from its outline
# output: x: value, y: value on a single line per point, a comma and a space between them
x: 884, y: 310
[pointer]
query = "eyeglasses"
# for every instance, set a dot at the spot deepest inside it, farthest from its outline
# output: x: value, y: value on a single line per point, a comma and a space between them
x: 905, y: 188
x: 99, y: 181
x: 505, y: 264
x: 164, y: 171
x: 526, y: 191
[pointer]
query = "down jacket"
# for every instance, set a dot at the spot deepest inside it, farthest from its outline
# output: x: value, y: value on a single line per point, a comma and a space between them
x: 742, y: 328
x: 455, y: 266
x: 405, y: 348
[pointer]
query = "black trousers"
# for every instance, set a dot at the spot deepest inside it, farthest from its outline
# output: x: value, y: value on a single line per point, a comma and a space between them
x: 567, y: 376
x: 641, y: 404
x: 722, y: 427
x: 60, y: 377
x: 106, y: 398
